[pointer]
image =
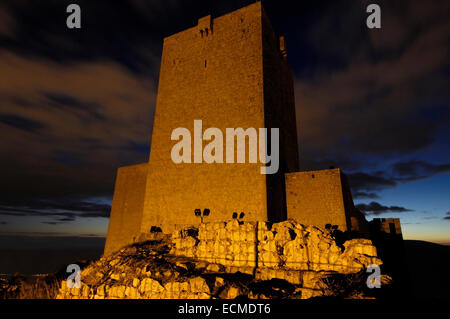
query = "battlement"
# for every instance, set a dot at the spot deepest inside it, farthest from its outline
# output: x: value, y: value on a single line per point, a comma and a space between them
x: 389, y: 226
x: 205, y: 26
x: 240, y: 26
x: 224, y: 22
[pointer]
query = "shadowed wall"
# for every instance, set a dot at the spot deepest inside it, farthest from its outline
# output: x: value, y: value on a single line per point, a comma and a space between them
x: 127, y: 207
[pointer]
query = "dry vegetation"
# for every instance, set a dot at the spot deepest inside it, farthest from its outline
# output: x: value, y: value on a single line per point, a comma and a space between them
x: 32, y: 287
x: 45, y: 286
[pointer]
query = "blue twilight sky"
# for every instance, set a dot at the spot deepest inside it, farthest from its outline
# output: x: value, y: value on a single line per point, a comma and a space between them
x: 77, y: 104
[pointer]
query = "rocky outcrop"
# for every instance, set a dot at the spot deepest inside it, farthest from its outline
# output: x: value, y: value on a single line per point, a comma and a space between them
x: 230, y: 259
x: 285, y: 245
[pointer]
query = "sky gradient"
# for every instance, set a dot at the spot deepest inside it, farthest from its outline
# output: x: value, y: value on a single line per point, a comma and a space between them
x: 77, y: 104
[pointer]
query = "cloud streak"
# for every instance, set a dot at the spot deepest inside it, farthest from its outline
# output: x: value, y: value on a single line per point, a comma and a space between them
x: 415, y: 170
x: 58, y: 210
x: 89, y: 114
x: 375, y: 208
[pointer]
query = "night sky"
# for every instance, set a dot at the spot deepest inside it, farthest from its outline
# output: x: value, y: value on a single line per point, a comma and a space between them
x: 77, y: 104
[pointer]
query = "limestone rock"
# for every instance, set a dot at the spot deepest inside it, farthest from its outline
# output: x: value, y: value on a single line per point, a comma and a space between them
x: 213, y: 268
x: 233, y: 292
x: 184, y: 266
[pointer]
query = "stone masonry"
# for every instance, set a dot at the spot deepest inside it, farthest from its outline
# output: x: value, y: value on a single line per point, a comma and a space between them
x: 218, y: 71
x: 323, y: 198
x: 230, y: 72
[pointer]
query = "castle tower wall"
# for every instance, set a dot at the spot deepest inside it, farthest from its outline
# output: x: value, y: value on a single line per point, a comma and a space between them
x: 228, y: 72
x: 216, y: 72
x: 316, y: 198
x: 127, y: 207
x: 279, y: 106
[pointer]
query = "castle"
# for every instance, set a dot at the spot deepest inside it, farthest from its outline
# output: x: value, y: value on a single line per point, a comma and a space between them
x: 230, y: 71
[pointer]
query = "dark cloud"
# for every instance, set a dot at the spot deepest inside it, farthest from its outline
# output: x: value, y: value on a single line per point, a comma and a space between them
x: 365, y: 181
x: 74, y: 116
x: 344, y: 163
x: 20, y: 123
x: 59, y: 210
x: 375, y: 208
x: 360, y: 195
x: 373, y: 94
x: 414, y: 170
x: 83, y: 110
x: 7, y: 21
x: 50, y: 223
x: 365, y: 185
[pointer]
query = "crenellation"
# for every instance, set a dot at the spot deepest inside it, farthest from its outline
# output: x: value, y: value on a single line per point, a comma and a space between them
x: 205, y: 26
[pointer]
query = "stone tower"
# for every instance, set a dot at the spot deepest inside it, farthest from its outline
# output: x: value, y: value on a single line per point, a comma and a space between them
x: 229, y: 72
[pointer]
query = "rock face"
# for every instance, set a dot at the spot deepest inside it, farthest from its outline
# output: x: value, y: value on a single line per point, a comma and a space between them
x: 285, y: 245
x: 231, y: 259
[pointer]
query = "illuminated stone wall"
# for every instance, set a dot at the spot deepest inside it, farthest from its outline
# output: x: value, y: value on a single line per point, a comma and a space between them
x: 316, y: 198
x: 229, y: 72
x: 127, y: 207
x: 215, y: 72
